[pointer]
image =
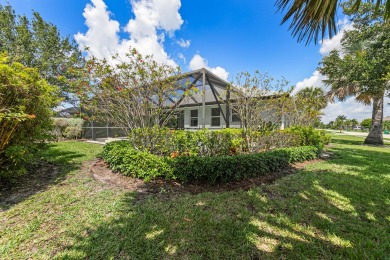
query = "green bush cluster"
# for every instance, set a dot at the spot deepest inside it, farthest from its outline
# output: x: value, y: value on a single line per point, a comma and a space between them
x: 223, y: 169
x: 68, y: 128
x: 308, y: 135
x: 26, y: 103
x: 122, y: 157
x: 163, y: 141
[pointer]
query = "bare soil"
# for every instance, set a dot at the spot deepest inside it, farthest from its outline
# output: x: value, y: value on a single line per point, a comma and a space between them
x: 46, y: 174
x: 101, y: 172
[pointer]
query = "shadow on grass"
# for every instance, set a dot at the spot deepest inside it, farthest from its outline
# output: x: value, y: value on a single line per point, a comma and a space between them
x: 346, y: 140
x: 325, y: 212
x: 52, y: 167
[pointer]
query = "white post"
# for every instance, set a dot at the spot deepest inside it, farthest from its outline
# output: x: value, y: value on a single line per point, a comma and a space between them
x: 283, y: 121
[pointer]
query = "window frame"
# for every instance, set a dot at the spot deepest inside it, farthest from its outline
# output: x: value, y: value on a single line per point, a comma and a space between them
x: 194, y: 118
x: 235, y: 114
x: 214, y: 117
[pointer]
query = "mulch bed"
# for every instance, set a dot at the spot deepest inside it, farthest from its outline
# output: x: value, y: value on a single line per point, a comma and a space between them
x: 101, y: 172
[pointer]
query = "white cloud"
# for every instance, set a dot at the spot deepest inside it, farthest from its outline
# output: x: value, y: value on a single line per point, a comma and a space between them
x: 198, y: 62
x: 182, y: 57
x: 154, y: 19
x: 334, y: 43
x: 351, y: 109
x: 184, y: 44
x: 102, y: 36
x: 316, y: 80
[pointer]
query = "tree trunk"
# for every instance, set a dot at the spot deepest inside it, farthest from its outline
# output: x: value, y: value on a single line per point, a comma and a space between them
x: 375, y: 135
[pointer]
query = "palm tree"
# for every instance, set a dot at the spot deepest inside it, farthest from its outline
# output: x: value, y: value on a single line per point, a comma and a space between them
x: 340, y: 121
x: 311, y: 101
x: 354, y: 122
x: 341, y: 90
x: 313, y: 18
x: 315, y: 96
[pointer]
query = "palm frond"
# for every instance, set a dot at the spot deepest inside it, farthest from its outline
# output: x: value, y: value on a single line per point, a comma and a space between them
x: 364, y: 98
x: 341, y: 93
x: 311, y: 20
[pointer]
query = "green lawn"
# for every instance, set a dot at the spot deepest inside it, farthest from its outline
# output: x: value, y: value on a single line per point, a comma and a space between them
x: 338, y: 208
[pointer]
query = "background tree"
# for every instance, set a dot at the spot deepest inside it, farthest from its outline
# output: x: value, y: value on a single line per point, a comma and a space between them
x: 38, y: 44
x: 312, y: 19
x: 330, y: 125
x: 259, y: 100
x: 386, y: 125
x: 360, y: 68
x: 366, y: 123
x: 348, y: 124
x: 130, y: 94
x: 354, y: 122
x: 340, y: 122
x: 305, y: 107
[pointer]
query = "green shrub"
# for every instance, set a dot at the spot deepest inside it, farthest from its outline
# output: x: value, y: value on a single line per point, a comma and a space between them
x: 26, y: 103
x: 122, y: 157
x: 163, y: 141
x: 310, y: 136
x: 222, y: 169
x: 68, y: 128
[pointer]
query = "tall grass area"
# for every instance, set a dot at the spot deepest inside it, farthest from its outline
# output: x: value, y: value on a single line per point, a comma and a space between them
x: 339, y: 208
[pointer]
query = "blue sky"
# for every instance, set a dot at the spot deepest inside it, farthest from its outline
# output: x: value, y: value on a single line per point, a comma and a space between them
x: 226, y: 36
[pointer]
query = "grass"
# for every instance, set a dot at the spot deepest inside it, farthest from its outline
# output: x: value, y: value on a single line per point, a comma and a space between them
x: 70, y: 153
x: 351, y: 139
x: 338, y: 208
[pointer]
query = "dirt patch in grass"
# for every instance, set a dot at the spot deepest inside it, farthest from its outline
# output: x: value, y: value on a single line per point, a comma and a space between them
x: 42, y: 175
x: 163, y: 188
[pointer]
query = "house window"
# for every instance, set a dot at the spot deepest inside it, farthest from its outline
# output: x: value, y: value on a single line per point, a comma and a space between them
x: 235, y: 116
x: 215, y: 117
x: 194, y: 117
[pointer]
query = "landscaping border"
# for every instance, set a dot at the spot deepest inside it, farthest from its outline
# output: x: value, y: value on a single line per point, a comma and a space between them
x: 122, y: 157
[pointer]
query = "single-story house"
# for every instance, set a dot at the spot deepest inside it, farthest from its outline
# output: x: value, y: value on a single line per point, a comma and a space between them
x: 210, y: 107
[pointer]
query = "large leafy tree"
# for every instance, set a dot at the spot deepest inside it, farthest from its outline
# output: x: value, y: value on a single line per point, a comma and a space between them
x: 312, y: 19
x: 38, y: 44
x: 362, y: 67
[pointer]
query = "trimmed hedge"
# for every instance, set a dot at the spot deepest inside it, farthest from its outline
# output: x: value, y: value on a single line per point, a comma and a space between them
x: 122, y: 157
x: 223, y: 169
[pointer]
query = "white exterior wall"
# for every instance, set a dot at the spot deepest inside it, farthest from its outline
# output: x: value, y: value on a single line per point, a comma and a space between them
x: 187, y: 118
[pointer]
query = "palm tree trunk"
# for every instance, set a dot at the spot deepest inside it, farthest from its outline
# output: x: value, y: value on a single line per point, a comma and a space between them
x: 375, y: 136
